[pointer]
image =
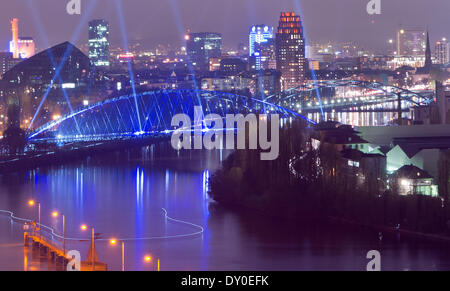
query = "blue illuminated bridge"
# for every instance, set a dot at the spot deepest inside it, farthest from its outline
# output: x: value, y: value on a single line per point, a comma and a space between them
x: 150, y: 113
x: 146, y: 114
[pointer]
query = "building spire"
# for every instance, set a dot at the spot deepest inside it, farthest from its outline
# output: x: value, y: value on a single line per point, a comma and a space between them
x: 428, y: 62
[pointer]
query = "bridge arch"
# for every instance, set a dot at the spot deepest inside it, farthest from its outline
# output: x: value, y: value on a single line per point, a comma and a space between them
x: 148, y: 112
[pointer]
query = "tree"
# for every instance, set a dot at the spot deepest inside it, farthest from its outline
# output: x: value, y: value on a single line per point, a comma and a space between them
x: 14, y: 139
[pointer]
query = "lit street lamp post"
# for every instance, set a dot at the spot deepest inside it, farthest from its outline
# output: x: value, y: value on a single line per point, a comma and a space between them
x: 32, y: 203
x: 93, y: 256
x: 55, y: 214
x: 114, y: 242
x: 148, y: 259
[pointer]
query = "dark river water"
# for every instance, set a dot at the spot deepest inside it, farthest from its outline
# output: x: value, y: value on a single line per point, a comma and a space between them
x: 123, y: 195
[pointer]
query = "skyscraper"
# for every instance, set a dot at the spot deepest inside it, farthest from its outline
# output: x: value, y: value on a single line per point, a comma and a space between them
x: 259, y: 34
x: 290, y: 50
x: 411, y: 42
x: 442, y: 52
x: 201, y: 47
x: 262, y: 47
x: 20, y: 47
x: 99, y: 42
x: 14, y: 46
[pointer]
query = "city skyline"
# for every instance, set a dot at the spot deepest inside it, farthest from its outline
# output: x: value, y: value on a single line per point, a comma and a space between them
x: 208, y: 135
x: 340, y: 22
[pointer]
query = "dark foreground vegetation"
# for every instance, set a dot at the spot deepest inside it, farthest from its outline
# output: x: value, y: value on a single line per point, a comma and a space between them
x: 311, y: 185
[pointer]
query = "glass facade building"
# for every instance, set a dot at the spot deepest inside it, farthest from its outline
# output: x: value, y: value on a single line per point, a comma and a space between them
x: 201, y: 47
x: 411, y: 42
x: 262, y: 47
x: 442, y: 52
x: 99, y: 43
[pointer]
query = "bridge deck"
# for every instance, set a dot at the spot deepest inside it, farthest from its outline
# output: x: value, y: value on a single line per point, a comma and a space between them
x: 45, y: 243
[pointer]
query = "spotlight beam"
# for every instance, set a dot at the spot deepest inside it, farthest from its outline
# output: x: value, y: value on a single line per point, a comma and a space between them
x: 130, y: 69
x: 74, y: 37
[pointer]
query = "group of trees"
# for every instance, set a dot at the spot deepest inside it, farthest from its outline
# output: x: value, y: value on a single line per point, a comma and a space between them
x: 14, y: 140
x: 322, y: 187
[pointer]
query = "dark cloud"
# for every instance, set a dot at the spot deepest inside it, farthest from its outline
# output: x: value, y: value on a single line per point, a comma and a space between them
x: 164, y: 21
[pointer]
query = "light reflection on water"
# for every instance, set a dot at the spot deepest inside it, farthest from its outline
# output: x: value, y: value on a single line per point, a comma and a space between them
x: 122, y: 194
x: 374, y: 118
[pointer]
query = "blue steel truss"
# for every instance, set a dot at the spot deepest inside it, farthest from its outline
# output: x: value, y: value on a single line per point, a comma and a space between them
x: 387, y: 93
x: 120, y: 117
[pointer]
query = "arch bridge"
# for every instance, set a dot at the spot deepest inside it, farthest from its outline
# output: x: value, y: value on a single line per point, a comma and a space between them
x: 147, y: 113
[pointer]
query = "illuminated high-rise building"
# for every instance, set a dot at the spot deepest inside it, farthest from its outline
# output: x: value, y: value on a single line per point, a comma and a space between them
x: 201, y: 47
x: 99, y: 43
x: 259, y: 34
x: 20, y: 47
x: 262, y: 47
x: 442, y: 52
x: 26, y: 46
x: 14, y: 48
x: 290, y: 50
x: 411, y: 42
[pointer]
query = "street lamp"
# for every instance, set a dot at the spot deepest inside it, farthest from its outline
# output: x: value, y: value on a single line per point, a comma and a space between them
x: 148, y: 259
x: 56, y: 214
x: 32, y: 203
x: 114, y: 242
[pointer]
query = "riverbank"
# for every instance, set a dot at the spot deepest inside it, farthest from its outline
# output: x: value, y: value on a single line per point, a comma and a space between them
x: 322, y: 187
x: 72, y: 153
x: 392, y: 230
x: 282, y: 218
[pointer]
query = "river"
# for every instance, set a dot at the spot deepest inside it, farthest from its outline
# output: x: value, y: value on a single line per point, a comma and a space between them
x: 123, y: 195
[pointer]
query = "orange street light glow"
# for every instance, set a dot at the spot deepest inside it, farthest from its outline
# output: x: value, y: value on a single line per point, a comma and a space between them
x: 31, y: 202
x: 84, y: 227
x: 55, y: 213
x: 148, y: 259
x: 113, y: 241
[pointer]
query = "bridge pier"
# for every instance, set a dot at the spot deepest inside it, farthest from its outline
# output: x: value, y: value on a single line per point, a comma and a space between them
x: 26, y: 239
x: 43, y: 251
x: 52, y: 256
x: 399, y: 108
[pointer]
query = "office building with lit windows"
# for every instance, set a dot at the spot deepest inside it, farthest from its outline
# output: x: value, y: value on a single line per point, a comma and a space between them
x: 442, y: 52
x: 20, y: 47
x: 201, y: 47
x: 411, y: 42
x: 6, y: 62
x: 290, y: 50
x: 99, y: 43
x: 262, y: 47
x: 259, y: 34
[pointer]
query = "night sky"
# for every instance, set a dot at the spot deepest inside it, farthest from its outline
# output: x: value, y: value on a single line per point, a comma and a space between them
x: 165, y: 21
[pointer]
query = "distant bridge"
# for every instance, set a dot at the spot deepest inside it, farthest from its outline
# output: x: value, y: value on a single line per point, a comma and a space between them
x: 308, y: 98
